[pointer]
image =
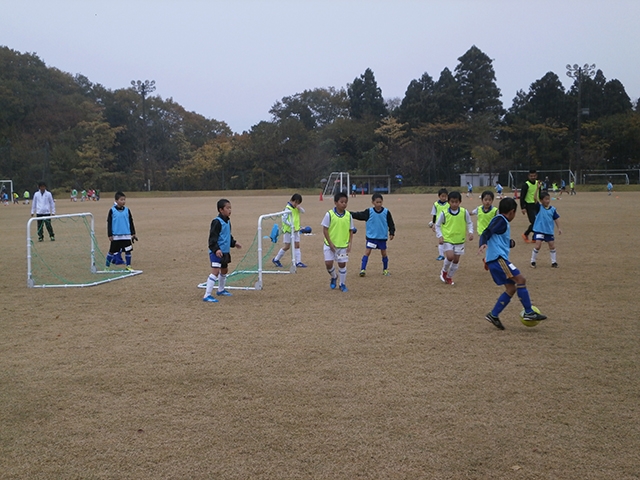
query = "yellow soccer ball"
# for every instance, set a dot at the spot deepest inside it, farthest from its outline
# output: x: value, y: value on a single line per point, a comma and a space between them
x: 529, y: 323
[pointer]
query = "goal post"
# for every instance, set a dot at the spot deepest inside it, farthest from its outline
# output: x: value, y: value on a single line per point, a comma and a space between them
x: 249, y: 272
x: 337, y: 182
x: 518, y: 177
x: 3, y: 183
x: 74, y: 259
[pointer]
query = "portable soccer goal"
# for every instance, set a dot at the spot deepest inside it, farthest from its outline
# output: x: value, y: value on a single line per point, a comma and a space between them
x: 337, y: 182
x: 73, y: 259
x: 518, y: 177
x: 249, y: 272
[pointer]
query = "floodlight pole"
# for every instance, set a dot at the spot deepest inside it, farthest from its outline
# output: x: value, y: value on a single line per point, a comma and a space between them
x: 579, y: 73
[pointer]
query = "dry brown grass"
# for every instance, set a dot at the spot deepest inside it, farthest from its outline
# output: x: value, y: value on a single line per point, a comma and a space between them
x: 401, y: 377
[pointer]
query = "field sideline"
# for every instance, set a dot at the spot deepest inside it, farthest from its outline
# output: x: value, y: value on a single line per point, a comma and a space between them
x: 401, y: 377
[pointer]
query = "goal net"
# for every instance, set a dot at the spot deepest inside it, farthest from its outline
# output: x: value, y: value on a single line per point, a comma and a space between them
x: 73, y: 259
x: 518, y: 177
x: 249, y: 271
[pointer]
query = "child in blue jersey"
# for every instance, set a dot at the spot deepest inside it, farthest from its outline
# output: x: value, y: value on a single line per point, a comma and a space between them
x: 379, y: 222
x: 337, y: 228
x: 439, y: 206
x: 609, y: 188
x: 220, y: 243
x: 291, y: 231
x: 499, y: 190
x: 543, y: 227
x: 452, y: 227
x: 495, y: 243
x: 121, y: 232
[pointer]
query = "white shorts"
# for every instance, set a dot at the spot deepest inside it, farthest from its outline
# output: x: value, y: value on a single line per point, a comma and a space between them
x: 340, y: 255
x: 457, y: 249
x: 286, y: 237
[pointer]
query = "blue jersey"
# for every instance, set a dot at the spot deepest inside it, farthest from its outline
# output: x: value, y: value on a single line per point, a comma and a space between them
x: 377, y: 225
x: 544, y: 220
x: 497, y: 237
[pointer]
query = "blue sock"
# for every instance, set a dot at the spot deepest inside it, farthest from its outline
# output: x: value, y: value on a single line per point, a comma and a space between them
x: 127, y: 257
x: 363, y: 265
x: 523, y: 295
x: 385, y: 263
x: 109, y: 259
x: 503, y: 301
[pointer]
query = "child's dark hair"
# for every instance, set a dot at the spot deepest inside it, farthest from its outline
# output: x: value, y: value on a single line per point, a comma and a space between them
x: 489, y: 193
x: 455, y: 195
x: 41, y: 184
x: 376, y: 196
x: 340, y: 195
x: 296, y: 197
x: 119, y: 195
x: 533, y: 170
x: 221, y: 203
x: 543, y: 194
x: 443, y: 190
x: 506, y: 205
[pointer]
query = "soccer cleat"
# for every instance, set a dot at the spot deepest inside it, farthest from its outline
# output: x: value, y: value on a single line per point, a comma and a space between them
x: 129, y: 268
x: 449, y: 280
x: 554, y: 265
x: 223, y: 293
x: 41, y: 239
x: 332, y: 284
x: 443, y: 276
x: 53, y: 239
x: 534, y: 316
x: 363, y: 273
x: 494, y: 320
x: 386, y: 273
x: 301, y: 265
x: 210, y: 299
x: 525, y: 238
x: 439, y: 258
x: 343, y: 288
x: 277, y: 263
x: 533, y: 264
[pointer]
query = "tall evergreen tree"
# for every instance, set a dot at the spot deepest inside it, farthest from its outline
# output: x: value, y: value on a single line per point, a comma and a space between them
x: 365, y: 98
x: 477, y: 81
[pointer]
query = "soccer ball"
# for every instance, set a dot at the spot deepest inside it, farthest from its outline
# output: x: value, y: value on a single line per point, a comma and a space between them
x: 529, y: 323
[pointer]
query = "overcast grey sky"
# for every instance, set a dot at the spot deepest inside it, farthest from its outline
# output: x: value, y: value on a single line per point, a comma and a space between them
x: 232, y: 60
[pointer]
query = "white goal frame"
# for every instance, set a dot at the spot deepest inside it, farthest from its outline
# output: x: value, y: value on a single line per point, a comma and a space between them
x: 337, y: 182
x: 512, y: 182
x: 91, y: 261
x: 605, y: 175
x: 10, y: 182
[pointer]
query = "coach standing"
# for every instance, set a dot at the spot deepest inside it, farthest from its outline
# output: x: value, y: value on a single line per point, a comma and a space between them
x: 528, y: 202
x: 43, y: 206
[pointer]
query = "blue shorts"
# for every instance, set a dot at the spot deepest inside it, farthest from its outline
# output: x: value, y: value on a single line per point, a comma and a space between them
x: 502, y: 271
x: 375, y: 244
x: 543, y: 237
x: 219, y: 262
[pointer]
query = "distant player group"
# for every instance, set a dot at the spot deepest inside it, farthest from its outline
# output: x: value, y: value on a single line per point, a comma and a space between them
x: 450, y: 221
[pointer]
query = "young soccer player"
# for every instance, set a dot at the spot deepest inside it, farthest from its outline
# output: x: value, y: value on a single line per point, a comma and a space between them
x: 121, y: 231
x: 485, y: 212
x: 528, y: 202
x: 220, y: 243
x: 337, y: 228
x: 451, y: 228
x: 609, y: 187
x: 379, y: 222
x: 291, y: 231
x: 499, y: 190
x: 495, y: 243
x: 439, y: 206
x: 543, y: 227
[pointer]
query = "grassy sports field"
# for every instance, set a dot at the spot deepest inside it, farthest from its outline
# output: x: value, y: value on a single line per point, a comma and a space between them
x: 401, y: 377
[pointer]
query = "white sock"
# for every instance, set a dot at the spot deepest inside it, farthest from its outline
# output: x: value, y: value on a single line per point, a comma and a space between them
x: 447, y: 265
x: 222, y: 279
x: 211, y: 280
x: 279, y: 255
x: 453, y: 269
x: 534, y: 255
x: 298, y: 255
x: 343, y: 275
x: 553, y: 256
x: 332, y: 272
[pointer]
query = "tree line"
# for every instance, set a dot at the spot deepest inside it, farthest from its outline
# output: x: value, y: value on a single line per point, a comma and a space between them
x: 73, y: 133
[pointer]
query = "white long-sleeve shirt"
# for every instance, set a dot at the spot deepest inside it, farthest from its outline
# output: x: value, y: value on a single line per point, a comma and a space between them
x: 43, y: 203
